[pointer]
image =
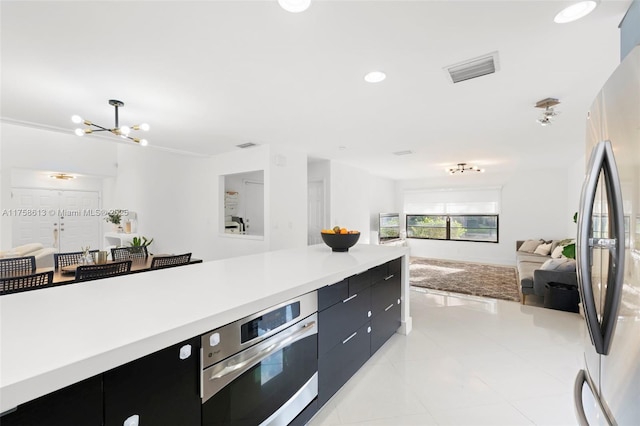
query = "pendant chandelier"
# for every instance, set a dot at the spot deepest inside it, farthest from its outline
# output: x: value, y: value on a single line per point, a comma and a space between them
x: 122, y: 131
x: 463, y: 167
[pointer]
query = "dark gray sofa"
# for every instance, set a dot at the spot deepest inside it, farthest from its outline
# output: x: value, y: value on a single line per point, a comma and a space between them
x: 533, y: 279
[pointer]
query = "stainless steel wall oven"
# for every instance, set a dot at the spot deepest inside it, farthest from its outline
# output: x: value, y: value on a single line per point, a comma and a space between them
x: 262, y: 369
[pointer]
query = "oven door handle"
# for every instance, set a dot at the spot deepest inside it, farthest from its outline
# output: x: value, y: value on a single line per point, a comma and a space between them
x: 218, y: 379
x: 262, y: 354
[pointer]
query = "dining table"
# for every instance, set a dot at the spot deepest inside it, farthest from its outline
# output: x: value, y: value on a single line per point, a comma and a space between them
x: 67, y: 274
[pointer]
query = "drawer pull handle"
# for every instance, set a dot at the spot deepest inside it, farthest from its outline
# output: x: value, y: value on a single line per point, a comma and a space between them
x: 349, y: 338
x: 388, y: 307
x: 389, y: 277
x: 349, y: 298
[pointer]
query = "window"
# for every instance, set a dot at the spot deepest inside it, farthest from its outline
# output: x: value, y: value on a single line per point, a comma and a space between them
x: 389, y: 226
x: 482, y: 228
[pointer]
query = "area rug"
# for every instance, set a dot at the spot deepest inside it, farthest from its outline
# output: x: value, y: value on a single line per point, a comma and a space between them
x: 498, y: 282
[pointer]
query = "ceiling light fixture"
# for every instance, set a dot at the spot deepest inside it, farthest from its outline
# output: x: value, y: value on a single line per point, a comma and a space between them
x: 575, y: 11
x: 122, y: 131
x: 463, y: 167
x: 294, y: 6
x: 62, y: 176
x: 549, y: 113
x: 375, y: 77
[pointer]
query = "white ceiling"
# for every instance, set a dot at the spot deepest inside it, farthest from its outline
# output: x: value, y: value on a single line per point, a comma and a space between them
x: 209, y: 75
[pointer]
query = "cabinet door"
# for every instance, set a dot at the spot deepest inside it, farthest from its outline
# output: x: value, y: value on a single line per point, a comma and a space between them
x: 161, y: 389
x: 384, y: 325
x: 340, y: 320
x: 341, y: 362
x: 78, y: 404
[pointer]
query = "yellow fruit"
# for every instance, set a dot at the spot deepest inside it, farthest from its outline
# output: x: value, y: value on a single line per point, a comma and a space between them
x: 343, y: 230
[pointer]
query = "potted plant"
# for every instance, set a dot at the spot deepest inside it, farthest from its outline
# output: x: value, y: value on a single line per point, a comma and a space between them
x: 137, y: 244
x: 115, y: 217
x: 569, y: 249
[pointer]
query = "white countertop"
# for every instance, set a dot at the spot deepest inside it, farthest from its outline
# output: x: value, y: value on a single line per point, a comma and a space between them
x: 52, y: 338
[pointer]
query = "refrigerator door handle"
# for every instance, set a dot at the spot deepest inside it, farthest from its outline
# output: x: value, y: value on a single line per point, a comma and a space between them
x: 583, y: 251
x: 615, y: 275
x: 601, y: 160
x: 581, y: 379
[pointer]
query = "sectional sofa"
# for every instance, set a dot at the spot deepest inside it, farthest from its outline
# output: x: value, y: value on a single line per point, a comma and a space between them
x: 43, y: 255
x: 540, y: 262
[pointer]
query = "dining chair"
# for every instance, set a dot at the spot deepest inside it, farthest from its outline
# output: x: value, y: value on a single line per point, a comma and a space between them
x: 60, y: 260
x: 26, y: 282
x: 159, y: 262
x: 92, y: 272
x: 125, y: 253
x: 15, y: 266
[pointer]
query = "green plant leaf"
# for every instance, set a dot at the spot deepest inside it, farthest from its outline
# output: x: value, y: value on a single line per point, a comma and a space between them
x: 569, y: 251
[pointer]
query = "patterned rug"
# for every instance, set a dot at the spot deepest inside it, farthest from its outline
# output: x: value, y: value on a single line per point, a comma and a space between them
x: 498, y: 282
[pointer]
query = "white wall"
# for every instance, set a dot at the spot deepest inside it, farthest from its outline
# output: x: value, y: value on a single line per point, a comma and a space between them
x: 534, y: 204
x: 382, y: 199
x: 350, y: 199
x: 167, y: 190
x: 356, y: 199
x: 575, y: 177
x: 288, y: 198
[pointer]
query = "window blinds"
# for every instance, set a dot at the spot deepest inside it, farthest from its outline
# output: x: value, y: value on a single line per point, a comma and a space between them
x: 453, y: 201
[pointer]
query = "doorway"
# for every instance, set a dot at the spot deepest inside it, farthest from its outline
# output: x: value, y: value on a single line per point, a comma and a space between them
x: 316, y: 211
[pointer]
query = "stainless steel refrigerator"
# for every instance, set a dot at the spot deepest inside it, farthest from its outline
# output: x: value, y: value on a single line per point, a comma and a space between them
x: 607, y: 390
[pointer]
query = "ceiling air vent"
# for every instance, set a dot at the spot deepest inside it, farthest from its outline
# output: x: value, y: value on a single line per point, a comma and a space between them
x: 407, y: 152
x: 246, y: 145
x: 473, y: 68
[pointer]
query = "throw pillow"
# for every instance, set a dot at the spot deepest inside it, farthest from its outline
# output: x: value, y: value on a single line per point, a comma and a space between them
x: 557, y: 252
x: 543, y: 249
x: 559, y: 265
x: 529, y: 246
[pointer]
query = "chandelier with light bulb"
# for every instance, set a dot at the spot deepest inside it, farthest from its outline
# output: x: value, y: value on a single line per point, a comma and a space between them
x: 549, y: 113
x: 122, y: 131
x: 463, y: 167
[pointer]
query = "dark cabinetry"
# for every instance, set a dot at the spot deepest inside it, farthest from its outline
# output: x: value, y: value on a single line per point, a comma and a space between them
x: 356, y: 316
x: 162, y: 388
x: 385, y: 303
x: 159, y: 389
x: 78, y: 404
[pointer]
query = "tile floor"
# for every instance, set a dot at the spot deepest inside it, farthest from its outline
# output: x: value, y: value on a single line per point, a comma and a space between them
x: 468, y: 361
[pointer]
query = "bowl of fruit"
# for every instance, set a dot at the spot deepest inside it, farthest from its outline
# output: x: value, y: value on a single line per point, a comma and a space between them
x: 340, y: 239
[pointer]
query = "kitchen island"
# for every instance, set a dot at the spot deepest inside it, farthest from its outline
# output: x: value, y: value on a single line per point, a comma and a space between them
x: 55, y: 337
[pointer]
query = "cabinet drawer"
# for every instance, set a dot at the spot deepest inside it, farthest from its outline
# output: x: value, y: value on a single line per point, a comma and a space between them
x: 385, y: 293
x: 341, y: 362
x: 395, y: 266
x: 384, y: 325
x: 332, y: 294
x: 379, y: 272
x: 359, y: 282
x: 340, y: 320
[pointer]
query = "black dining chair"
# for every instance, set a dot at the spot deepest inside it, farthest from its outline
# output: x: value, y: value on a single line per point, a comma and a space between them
x: 92, y: 272
x: 159, y: 262
x: 60, y: 260
x: 15, y: 266
x: 26, y: 282
x: 125, y: 253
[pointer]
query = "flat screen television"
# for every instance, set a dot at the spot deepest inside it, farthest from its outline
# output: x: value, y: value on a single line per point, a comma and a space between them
x: 388, y: 227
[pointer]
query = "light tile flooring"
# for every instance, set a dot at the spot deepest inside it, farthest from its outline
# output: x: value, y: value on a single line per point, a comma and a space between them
x: 468, y: 361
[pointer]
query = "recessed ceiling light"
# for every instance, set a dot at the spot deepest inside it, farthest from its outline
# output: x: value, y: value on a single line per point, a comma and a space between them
x: 294, y: 6
x: 575, y: 11
x: 375, y: 77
